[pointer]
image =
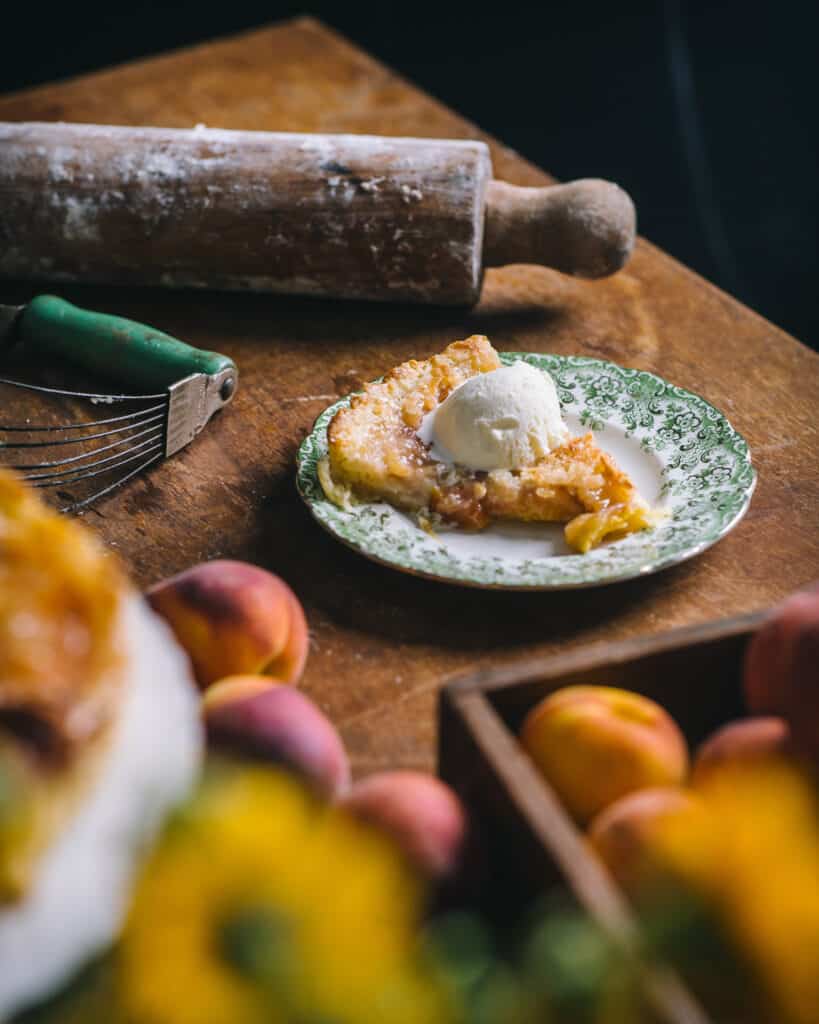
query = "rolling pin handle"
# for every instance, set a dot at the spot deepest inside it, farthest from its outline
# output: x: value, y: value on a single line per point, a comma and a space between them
x: 585, y: 227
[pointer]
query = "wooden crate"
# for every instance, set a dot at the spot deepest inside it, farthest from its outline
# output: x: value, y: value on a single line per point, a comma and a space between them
x: 526, y: 839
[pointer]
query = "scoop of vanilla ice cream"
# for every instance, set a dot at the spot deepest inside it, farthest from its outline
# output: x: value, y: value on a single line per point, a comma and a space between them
x: 505, y: 419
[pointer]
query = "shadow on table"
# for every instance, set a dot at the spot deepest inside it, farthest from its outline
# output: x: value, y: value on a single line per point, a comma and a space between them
x: 356, y: 593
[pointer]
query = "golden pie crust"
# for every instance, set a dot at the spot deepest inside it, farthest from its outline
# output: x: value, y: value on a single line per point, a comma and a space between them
x: 61, y: 674
x: 375, y: 454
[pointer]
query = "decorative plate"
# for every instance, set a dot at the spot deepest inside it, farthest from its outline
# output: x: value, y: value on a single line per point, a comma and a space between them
x: 682, y: 454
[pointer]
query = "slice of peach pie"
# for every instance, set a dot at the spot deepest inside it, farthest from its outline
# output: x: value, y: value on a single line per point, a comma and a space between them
x: 483, y: 458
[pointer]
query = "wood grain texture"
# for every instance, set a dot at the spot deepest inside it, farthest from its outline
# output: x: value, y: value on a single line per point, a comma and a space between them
x: 341, y: 216
x: 383, y: 643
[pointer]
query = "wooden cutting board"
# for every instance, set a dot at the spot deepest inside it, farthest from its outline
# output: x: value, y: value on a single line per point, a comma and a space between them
x: 383, y: 643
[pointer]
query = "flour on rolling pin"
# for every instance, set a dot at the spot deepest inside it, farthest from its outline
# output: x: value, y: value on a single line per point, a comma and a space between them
x: 350, y: 216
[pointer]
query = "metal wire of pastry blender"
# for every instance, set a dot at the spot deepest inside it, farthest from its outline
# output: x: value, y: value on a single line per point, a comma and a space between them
x: 81, y: 462
x: 85, y: 458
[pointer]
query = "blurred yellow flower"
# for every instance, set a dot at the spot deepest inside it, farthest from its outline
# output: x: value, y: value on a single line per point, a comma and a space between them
x: 752, y: 849
x: 264, y: 905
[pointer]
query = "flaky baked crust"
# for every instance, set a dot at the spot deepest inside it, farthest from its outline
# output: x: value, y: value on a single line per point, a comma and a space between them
x: 60, y: 671
x: 375, y: 453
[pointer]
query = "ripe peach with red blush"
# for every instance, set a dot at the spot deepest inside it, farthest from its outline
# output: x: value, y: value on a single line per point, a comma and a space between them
x: 625, y: 834
x: 782, y: 669
x: 234, y: 688
x: 595, y: 744
x: 748, y: 741
x: 770, y: 657
x: 279, y: 725
x: 233, y: 618
x: 419, y: 812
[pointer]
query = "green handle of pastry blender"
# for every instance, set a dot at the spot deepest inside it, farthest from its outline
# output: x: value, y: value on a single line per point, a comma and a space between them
x: 137, y: 355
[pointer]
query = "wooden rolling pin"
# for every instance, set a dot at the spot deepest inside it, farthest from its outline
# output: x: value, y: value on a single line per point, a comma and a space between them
x: 349, y: 216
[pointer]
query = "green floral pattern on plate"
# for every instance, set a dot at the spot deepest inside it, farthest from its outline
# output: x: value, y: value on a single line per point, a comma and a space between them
x: 707, y: 483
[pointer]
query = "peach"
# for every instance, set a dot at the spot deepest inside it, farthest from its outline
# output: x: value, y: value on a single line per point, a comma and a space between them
x: 782, y: 670
x: 234, y: 688
x: 624, y: 834
x: 281, y: 726
x: 233, y: 618
x: 747, y: 741
x: 419, y: 812
x: 594, y: 744
x: 778, y: 648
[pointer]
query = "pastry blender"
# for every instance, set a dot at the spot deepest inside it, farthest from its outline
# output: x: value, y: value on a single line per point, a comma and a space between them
x: 85, y: 458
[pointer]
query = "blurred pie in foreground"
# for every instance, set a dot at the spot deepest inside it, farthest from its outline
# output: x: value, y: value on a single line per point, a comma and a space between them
x: 459, y: 439
x: 99, y: 738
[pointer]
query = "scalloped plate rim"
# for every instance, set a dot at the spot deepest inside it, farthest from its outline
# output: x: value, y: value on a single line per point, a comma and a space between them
x: 632, y: 572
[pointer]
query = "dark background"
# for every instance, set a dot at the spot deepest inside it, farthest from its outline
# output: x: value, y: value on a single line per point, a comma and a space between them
x: 705, y: 112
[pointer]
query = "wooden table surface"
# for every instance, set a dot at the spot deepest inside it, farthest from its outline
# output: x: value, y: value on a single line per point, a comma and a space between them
x: 383, y: 643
